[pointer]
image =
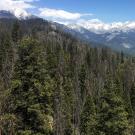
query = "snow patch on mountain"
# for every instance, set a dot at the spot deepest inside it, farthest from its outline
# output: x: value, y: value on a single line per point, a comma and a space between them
x: 112, y: 36
x: 100, y: 27
x: 76, y: 27
x: 127, y: 45
x: 18, y: 13
x: 21, y: 14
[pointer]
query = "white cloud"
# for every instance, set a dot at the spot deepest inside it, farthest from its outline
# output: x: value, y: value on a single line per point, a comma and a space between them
x: 94, y: 24
x: 18, y: 7
x: 83, y: 20
x: 99, y: 26
x: 60, y: 14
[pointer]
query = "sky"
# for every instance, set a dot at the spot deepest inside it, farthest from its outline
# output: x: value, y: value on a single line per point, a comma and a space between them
x: 106, y: 10
x: 74, y: 11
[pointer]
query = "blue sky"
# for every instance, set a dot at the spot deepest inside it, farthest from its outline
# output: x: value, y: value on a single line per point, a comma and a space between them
x: 105, y: 10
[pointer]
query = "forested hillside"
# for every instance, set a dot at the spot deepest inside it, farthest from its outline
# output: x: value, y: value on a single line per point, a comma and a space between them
x: 53, y: 84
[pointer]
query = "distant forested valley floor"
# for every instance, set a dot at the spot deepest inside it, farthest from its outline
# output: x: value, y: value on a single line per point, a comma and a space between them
x: 54, y: 84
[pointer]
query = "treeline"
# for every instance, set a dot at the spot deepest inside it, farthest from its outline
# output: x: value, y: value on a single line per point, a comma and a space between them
x: 53, y: 84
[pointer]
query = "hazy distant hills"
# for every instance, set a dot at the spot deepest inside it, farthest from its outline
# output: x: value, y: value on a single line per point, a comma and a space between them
x: 118, y: 37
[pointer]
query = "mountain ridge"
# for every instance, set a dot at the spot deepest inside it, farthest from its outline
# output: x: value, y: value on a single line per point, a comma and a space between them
x: 121, y: 40
x: 116, y: 38
x: 12, y: 15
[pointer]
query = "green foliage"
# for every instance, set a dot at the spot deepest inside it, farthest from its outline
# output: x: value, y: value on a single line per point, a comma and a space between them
x: 16, y: 32
x: 112, y: 115
x: 51, y: 83
x: 82, y: 82
x: 132, y: 96
x: 6, y: 59
x: 32, y: 82
x: 88, y: 118
x: 8, y: 123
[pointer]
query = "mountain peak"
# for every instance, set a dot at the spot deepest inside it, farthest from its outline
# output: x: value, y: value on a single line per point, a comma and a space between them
x: 17, y: 14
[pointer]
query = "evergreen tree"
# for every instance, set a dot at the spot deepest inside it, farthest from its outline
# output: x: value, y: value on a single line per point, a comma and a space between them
x: 112, y: 116
x: 51, y: 80
x: 16, y: 32
x: 7, y: 121
x: 132, y: 97
x: 32, y: 90
x: 82, y: 82
x: 88, y: 118
x: 6, y: 59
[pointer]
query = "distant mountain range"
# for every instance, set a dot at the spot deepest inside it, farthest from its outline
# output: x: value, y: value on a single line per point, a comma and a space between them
x: 117, y: 39
x: 120, y: 37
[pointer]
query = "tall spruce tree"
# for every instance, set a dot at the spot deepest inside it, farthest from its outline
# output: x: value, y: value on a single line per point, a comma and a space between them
x: 132, y: 97
x: 88, y: 118
x: 112, y: 116
x: 31, y: 92
x: 16, y: 31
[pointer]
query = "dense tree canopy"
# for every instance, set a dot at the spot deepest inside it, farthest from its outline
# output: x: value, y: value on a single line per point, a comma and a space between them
x: 51, y: 83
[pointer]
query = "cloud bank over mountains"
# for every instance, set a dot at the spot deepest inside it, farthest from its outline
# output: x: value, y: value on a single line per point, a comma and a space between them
x: 86, y: 20
x: 18, y: 7
x: 99, y: 26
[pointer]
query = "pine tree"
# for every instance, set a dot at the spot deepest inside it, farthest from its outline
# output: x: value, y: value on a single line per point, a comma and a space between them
x: 112, y: 116
x: 16, y: 32
x: 7, y: 121
x: 6, y: 59
x: 82, y: 83
x: 31, y: 91
x: 132, y: 97
x: 88, y: 118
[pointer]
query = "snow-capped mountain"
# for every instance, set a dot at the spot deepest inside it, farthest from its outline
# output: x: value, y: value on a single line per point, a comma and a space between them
x: 119, y: 36
x: 16, y: 15
x: 100, y: 27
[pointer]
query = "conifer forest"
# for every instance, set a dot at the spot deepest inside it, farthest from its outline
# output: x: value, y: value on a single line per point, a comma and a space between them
x: 52, y: 83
